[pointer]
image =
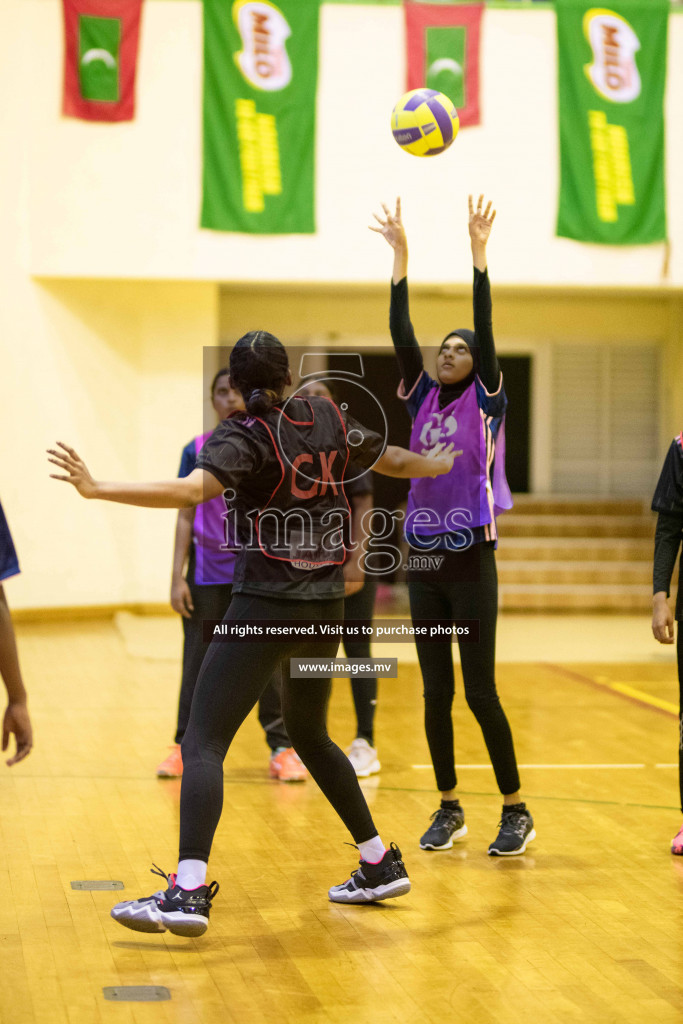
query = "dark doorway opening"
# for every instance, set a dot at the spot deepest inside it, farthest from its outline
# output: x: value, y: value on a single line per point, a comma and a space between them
x: 517, y: 378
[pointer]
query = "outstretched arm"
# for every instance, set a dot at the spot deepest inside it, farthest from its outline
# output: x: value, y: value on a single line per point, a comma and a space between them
x: 182, y: 492
x: 401, y: 462
x: 402, y: 333
x: 480, y: 224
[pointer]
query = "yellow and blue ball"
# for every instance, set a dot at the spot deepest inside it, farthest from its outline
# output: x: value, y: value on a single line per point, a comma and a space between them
x: 424, y: 122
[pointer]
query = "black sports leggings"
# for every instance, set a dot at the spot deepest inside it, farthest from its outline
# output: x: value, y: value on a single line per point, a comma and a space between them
x: 359, y: 607
x: 211, y: 601
x: 465, y: 587
x: 233, y: 675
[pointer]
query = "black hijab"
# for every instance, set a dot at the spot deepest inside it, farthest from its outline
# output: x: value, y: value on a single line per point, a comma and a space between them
x: 449, y: 392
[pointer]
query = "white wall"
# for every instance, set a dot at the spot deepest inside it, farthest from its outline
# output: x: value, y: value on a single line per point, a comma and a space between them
x: 123, y: 200
x: 114, y: 365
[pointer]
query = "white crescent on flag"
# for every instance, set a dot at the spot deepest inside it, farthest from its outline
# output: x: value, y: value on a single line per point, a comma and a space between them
x: 104, y: 55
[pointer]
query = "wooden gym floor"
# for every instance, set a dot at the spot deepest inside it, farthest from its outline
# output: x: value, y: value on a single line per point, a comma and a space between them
x: 587, y: 926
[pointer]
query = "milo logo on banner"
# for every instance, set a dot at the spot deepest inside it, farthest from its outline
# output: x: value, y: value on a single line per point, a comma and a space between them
x: 263, y: 61
x: 613, y: 73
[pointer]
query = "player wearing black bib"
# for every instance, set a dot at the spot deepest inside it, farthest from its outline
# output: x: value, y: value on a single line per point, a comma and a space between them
x: 282, y: 465
x: 668, y: 502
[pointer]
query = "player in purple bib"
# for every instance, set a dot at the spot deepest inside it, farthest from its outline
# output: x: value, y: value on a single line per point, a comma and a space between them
x: 455, y: 518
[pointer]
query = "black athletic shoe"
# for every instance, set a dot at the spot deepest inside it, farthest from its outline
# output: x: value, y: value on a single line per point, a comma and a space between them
x: 370, y: 883
x: 182, y: 911
x: 447, y: 824
x: 516, y: 830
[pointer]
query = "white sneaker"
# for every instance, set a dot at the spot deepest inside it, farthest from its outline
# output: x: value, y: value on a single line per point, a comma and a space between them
x: 364, y: 759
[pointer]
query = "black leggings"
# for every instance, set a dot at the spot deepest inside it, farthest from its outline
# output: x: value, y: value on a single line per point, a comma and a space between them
x: 359, y: 607
x: 233, y: 675
x: 465, y: 587
x: 211, y: 601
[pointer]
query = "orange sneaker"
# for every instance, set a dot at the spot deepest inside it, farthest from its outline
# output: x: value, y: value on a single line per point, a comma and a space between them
x: 287, y: 766
x: 172, y: 767
x: 677, y: 843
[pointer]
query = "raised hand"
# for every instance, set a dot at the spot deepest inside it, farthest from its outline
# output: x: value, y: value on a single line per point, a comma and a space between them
x: 480, y: 224
x: 76, y: 470
x: 392, y: 227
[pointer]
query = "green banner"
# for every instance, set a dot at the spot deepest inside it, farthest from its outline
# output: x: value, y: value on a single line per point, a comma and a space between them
x: 612, y: 73
x: 99, y: 42
x: 260, y: 79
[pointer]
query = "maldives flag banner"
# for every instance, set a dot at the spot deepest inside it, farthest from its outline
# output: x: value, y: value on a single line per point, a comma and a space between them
x: 260, y: 81
x: 101, y: 47
x: 612, y: 76
x: 443, y: 53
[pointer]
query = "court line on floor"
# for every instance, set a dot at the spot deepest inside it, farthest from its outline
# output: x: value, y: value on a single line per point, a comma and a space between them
x: 623, y: 690
x: 488, y: 766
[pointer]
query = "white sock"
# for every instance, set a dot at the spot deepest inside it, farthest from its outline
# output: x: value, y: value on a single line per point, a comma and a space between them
x: 191, y: 874
x: 372, y: 850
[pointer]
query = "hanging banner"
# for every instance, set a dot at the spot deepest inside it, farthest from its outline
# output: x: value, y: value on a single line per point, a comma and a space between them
x: 260, y: 80
x: 443, y: 53
x: 612, y: 73
x: 101, y: 48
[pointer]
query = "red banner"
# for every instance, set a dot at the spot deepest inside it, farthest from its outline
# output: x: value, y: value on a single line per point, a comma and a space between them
x: 443, y: 53
x: 101, y: 47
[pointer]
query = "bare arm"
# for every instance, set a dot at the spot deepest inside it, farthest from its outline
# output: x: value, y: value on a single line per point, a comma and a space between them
x: 181, y: 492
x: 401, y: 462
x: 16, y: 720
x: 181, y: 596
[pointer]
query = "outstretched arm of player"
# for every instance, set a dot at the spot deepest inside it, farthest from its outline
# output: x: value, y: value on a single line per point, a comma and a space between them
x: 402, y: 332
x: 479, y: 226
x: 16, y: 720
x: 401, y: 462
x: 392, y: 229
x: 182, y: 492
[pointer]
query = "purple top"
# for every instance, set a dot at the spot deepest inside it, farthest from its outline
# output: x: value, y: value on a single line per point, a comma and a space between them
x: 214, y: 564
x: 476, y: 490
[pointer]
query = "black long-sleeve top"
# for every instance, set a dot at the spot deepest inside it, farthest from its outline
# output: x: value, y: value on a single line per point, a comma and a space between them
x: 668, y: 502
x: 408, y: 350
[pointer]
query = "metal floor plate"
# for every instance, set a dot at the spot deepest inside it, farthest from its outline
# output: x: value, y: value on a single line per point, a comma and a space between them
x: 137, y: 993
x: 104, y: 884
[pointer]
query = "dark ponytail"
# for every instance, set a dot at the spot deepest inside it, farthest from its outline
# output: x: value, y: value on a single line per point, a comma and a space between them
x: 258, y: 368
x: 261, y: 401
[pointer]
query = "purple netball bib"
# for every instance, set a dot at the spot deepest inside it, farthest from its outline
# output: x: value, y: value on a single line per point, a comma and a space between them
x: 213, y: 565
x: 475, y: 490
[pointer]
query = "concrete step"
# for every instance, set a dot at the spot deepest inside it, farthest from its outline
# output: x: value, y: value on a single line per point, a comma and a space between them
x: 576, y: 597
x: 582, y: 549
x: 615, y: 573
x: 513, y: 525
x: 565, y: 504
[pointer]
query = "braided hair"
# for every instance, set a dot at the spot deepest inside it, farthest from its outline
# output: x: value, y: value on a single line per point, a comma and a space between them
x: 258, y: 368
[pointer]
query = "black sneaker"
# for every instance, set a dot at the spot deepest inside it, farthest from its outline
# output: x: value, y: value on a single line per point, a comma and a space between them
x: 182, y: 911
x: 516, y: 830
x: 448, y: 823
x: 370, y: 883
